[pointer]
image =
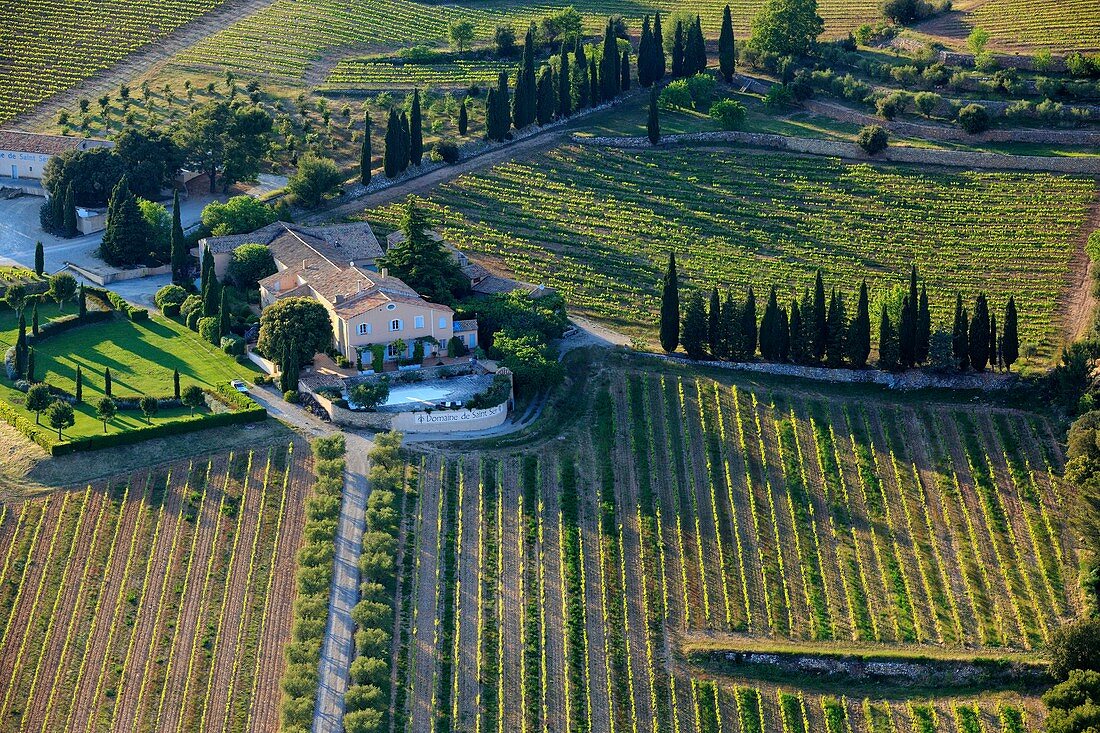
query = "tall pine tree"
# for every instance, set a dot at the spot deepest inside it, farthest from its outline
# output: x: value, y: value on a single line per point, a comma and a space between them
x: 660, y: 62
x: 730, y: 326
x: 126, y: 238
x: 695, y: 50
x: 907, y: 333
x: 859, y: 332
x: 1010, y: 340
x: 391, y: 165
x: 769, y: 326
x: 653, y: 122
x: 714, y: 320
x: 594, y: 92
x: 670, y: 307
x: 181, y: 258
x: 545, y: 99
x: 727, y: 51
x: 994, y: 347
x: 524, y: 100
x: 406, y: 142
x: 609, y: 65
x: 799, y: 347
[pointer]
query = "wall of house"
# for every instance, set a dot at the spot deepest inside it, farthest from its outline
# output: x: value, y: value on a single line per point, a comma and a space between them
x: 27, y: 165
x: 379, y: 320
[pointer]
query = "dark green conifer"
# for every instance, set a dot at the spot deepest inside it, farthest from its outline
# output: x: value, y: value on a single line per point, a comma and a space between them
x: 924, y: 328
x: 107, y: 386
x: 838, y: 330
x: 694, y: 335
x: 39, y: 259
x: 463, y: 118
x: 960, y: 349
x: 978, y: 337
x: 769, y: 328
x: 859, y: 332
x: 524, y: 100
x: 365, y: 154
x: 730, y: 328
x: 819, y: 320
x: 70, y: 222
x: 887, y: 343
x: 416, y: 131
x: 714, y: 320
x: 695, y: 50
x: 727, y: 51
x: 748, y: 326
x: 645, y: 55
x: 609, y: 65
x: 21, y: 346
x: 660, y: 63
x: 79, y: 393
x: 1010, y: 340
x: 782, y: 335
x: 653, y: 122
x: 670, y: 307
x: 34, y: 320
x: 565, y: 89
x: 624, y: 72
x: 994, y: 347
x: 391, y: 165
x: 594, y: 91
x: 181, y: 257
x: 907, y: 333
x: 582, y: 94
x: 678, y: 51
x: 799, y: 348
x: 545, y: 102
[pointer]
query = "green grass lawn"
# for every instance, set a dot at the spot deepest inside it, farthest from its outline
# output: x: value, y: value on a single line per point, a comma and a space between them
x: 48, y: 311
x: 141, y: 356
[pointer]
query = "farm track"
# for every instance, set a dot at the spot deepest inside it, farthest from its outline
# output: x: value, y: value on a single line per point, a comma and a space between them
x: 278, y: 607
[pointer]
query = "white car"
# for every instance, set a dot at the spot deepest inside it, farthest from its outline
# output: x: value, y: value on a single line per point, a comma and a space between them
x: 240, y: 386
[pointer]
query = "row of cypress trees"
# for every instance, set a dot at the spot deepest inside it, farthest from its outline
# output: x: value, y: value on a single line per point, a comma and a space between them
x: 817, y: 329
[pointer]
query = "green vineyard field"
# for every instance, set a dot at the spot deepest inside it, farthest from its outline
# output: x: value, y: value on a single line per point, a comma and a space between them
x: 563, y: 576
x: 598, y: 226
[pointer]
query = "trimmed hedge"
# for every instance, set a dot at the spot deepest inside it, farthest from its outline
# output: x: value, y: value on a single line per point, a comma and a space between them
x: 67, y: 323
x: 314, y: 582
x: 131, y: 312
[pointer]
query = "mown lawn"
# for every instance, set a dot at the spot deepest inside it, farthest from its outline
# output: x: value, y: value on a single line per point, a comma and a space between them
x: 141, y: 356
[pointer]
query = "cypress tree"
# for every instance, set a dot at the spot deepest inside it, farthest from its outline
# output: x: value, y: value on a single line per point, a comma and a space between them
x: 624, y: 72
x: 859, y: 333
x: 208, y: 276
x: 81, y: 302
x: 798, y: 348
x: 838, y: 330
x: 924, y: 328
x: 365, y: 153
x: 463, y: 119
x: 176, y: 383
x: 653, y: 123
x: 545, y: 103
x: 959, y: 348
x: 390, y: 164
x: 1010, y: 340
x: 887, y: 343
x: 783, y: 335
x: 21, y: 345
x: 978, y: 341
x: 594, y: 83
x: 416, y: 131
x: 406, y: 143
x: 806, y: 309
x: 678, y: 50
x: 39, y: 259
x: 107, y: 382
x: 730, y: 328
x: 181, y: 258
x: 694, y: 336
x: 610, y: 81
x: 670, y: 307
x: 224, y: 319
x: 565, y: 89
x: 659, y: 60
x: 727, y: 51
x: 748, y: 326
x: 125, y: 240
x: 582, y: 90
x: 524, y: 102
x: 79, y: 394
x: 70, y: 222
x: 818, y: 321
x: 695, y: 50
x: 769, y: 326
x: 907, y: 333
x: 491, y: 115
x: 34, y: 320
x: 503, y: 107
x: 645, y: 54
x: 30, y: 366
x: 714, y: 320
x: 993, y: 346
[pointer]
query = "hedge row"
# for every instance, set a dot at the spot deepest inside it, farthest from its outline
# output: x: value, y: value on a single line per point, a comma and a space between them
x: 131, y: 312
x: 367, y: 701
x: 314, y: 582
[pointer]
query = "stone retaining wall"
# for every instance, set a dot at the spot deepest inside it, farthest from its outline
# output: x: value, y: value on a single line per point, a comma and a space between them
x: 834, y: 148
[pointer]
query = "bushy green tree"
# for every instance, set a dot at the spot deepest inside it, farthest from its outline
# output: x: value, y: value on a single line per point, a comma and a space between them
x: 249, y: 264
x: 106, y: 409
x: 37, y: 400
x: 60, y: 415
x: 422, y: 262
x: 294, y: 329
x: 126, y: 237
x: 314, y: 180
x: 225, y: 141
x: 787, y: 27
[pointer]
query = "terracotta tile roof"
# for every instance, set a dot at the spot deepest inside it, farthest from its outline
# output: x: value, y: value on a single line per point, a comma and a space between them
x: 340, y: 244
x: 30, y: 142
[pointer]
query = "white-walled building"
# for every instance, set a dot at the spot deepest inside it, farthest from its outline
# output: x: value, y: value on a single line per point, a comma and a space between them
x: 25, y: 154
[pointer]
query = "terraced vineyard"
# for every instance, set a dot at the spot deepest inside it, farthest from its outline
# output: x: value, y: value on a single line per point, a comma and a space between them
x: 551, y: 588
x: 48, y: 46
x: 157, y: 602
x: 1072, y: 25
x: 371, y: 74
x: 307, y: 29
x: 598, y: 225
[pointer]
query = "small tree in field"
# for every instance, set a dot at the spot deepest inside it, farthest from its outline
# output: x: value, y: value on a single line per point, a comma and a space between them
x: 193, y: 397
x: 60, y: 416
x: 149, y: 406
x: 873, y: 139
x: 62, y: 288
x: 38, y: 399
x: 106, y: 409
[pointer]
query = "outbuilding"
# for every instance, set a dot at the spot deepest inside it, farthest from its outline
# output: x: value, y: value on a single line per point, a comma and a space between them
x: 23, y: 155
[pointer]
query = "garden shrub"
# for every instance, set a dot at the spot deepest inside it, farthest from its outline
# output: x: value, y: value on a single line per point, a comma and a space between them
x: 974, y: 118
x: 729, y: 113
x: 873, y: 139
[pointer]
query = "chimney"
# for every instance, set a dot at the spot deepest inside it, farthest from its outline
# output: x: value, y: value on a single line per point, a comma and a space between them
x: 305, y: 264
x: 385, y: 273
x: 358, y: 286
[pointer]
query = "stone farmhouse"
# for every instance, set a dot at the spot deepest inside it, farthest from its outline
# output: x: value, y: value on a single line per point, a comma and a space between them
x: 335, y: 265
x: 23, y: 155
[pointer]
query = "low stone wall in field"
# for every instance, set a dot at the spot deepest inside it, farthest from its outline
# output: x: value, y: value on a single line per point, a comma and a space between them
x: 839, y: 149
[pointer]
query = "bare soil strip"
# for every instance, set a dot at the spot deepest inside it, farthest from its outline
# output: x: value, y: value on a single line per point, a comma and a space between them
x: 470, y: 563
x: 424, y: 635
x: 510, y: 600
